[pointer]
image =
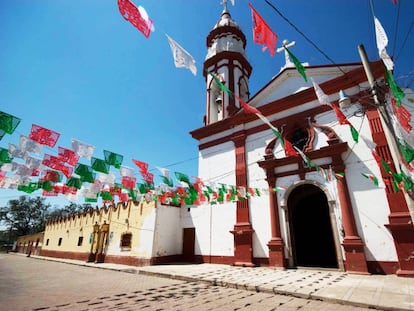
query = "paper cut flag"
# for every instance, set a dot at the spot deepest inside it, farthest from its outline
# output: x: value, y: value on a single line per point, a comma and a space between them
x: 289, y: 150
x: 298, y: 65
x: 262, y: 33
x: 44, y: 136
x: 343, y: 120
x: 26, y: 144
x: 221, y: 86
x: 402, y: 114
x: 143, y: 167
x: 82, y: 149
x: 126, y: 171
x: 138, y: 17
x: 182, y: 59
x: 382, y: 42
x: 68, y: 155
x: 395, y: 89
x: 113, y: 159
x: 322, y: 97
x: 372, y: 178
x: 8, y: 123
x: 99, y: 165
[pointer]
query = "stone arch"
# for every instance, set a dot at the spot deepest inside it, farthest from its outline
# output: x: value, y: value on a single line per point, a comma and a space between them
x: 311, y: 227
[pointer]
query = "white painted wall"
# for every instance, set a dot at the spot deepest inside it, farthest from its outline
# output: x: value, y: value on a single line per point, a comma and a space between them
x: 168, y: 237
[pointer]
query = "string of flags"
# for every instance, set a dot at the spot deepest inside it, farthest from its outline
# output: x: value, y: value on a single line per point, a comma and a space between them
x: 97, y: 180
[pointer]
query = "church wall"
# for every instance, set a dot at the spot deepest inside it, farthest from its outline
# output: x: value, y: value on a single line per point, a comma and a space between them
x: 213, y: 235
x: 259, y: 206
x: 168, y: 233
x: 369, y: 202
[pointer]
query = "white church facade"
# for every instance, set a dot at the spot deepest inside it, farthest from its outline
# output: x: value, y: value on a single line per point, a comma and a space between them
x: 313, y: 221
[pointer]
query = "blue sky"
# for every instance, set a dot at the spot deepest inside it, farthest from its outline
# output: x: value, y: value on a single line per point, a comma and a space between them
x: 78, y: 68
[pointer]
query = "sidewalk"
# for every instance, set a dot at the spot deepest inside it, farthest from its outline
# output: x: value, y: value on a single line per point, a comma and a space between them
x: 384, y: 292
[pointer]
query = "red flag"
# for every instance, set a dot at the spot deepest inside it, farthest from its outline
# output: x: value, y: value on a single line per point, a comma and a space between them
x: 262, y: 33
x: 68, y: 155
x: 132, y: 14
x: 43, y: 135
x: 339, y: 114
x: 143, y: 167
x: 246, y: 107
x: 289, y: 150
x: 129, y: 182
x: 402, y: 114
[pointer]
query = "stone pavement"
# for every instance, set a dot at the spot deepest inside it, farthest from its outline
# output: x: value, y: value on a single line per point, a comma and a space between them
x: 384, y: 292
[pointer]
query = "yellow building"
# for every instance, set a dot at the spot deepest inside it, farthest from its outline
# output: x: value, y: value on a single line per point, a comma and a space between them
x: 122, y: 233
x: 29, y: 244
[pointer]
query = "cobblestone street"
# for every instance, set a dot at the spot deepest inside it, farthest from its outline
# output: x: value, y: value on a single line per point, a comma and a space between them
x: 32, y: 284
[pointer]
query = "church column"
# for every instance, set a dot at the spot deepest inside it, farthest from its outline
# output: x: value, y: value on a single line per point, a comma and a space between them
x: 276, y: 244
x: 400, y: 222
x: 243, y: 231
x: 355, y: 259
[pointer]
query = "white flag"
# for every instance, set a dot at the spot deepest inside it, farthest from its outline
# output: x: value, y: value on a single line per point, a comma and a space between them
x: 182, y: 59
x: 126, y: 171
x: 322, y: 97
x: 382, y: 42
x: 164, y: 171
x: 29, y: 145
x: 82, y: 149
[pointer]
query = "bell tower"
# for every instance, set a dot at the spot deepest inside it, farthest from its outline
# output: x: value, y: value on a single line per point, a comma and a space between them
x: 226, y: 58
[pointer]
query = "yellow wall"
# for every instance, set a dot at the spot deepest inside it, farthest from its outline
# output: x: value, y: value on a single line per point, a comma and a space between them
x: 135, y: 217
x: 32, y: 241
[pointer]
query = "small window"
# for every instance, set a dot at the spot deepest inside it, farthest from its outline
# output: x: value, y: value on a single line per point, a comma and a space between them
x: 80, y: 241
x: 126, y: 239
x: 47, y: 242
x: 60, y: 242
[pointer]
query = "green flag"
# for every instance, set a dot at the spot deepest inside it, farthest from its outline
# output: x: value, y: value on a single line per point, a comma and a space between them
x: 8, y: 123
x: 395, y: 89
x: 354, y: 133
x: 372, y: 178
x: 183, y: 178
x: 298, y: 65
x: 220, y: 85
x: 100, y: 165
x: 113, y: 159
x: 74, y: 182
x: 5, y: 156
x: 406, y: 150
x: 85, y: 172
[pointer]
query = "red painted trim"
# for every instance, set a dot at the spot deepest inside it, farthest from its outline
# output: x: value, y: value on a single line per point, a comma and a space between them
x: 332, y: 86
x: 65, y: 255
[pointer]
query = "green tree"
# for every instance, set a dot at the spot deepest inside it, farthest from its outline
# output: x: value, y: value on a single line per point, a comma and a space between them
x: 25, y: 215
x: 68, y: 210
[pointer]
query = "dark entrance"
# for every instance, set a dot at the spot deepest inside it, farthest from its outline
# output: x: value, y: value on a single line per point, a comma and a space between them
x: 310, y: 228
x: 188, y: 244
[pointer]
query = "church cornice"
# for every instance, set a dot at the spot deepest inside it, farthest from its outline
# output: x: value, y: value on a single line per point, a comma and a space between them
x: 223, y: 31
x: 345, y: 81
x: 233, y: 56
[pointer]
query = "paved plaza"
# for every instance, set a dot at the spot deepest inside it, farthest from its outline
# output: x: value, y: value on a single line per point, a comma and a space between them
x: 39, y: 283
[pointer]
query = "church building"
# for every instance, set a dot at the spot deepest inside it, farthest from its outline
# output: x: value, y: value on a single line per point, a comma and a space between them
x: 307, y: 218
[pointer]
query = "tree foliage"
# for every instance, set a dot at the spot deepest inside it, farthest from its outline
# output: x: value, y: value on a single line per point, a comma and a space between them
x: 68, y: 210
x: 25, y: 215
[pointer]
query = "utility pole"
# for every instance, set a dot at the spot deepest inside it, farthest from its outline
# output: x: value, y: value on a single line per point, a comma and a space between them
x: 385, y: 119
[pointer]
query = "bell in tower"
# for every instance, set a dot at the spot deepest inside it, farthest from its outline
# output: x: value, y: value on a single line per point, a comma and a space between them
x: 226, y: 59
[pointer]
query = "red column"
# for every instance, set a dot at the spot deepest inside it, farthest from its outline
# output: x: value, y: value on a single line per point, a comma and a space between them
x: 243, y: 231
x: 400, y: 222
x: 276, y: 245
x: 355, y: 260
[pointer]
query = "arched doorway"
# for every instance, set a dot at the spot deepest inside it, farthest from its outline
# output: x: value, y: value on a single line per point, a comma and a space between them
x: 310, y: 228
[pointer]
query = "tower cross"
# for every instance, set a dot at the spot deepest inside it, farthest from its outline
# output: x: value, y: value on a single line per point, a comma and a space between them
x: 286, y: 44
